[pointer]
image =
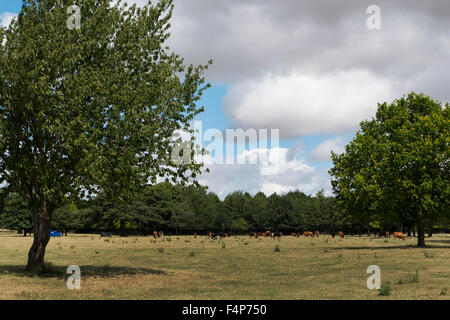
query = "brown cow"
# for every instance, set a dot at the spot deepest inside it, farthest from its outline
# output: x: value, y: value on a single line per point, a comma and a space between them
x: 254, y: 235
x: 308, y: 234
x: 341, y: 234
x: 276, y: 234
x: 155, y: 234
x: 383, y: 234
x: 399, y: 235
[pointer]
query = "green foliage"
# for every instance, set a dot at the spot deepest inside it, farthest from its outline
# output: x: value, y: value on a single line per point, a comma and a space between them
x: 94, y: 109
x: 16, y: 215
x: 385, y: 289
x: 396, y: 170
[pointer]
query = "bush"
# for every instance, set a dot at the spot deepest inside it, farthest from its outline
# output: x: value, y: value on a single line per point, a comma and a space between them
x: 277, y: 248
x: 428, y: 255
x: 191, y: 254
x: 223, y: 245
x: 385, y: 289
x: 161, y: 250
x: 444, y: 291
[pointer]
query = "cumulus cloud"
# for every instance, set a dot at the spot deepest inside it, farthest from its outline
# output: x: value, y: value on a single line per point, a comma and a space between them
x: 278, y: 174
x: 323, y: 151
x: 300, y: 104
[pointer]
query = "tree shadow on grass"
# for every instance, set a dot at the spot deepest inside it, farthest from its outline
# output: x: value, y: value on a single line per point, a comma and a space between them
x: 438, y: 240
x: 105, y: 271
x: 391, y: 247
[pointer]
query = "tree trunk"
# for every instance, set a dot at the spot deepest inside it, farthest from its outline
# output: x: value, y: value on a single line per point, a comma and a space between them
x: 420, y: 231
x: 41, y: 230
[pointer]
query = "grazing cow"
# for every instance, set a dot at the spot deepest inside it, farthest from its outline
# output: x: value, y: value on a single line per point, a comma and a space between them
x: 155, y: 234
x: 253, y: 235
x: 223, y: 235
x: 276, y: 234
x: 160, y: 234
x: 341, y: 234
x: 383, y: 234
x: 317, y: 234
x: 399, y: 235
x: 212, y: 235
x: 308, y: 234
x: 293, y: 234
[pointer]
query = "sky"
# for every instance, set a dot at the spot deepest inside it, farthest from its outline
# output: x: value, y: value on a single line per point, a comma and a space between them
x: 311, y: 69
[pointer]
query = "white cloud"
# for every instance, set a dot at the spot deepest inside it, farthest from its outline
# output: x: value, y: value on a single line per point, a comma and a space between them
x: 323, y: 151
x: 269, y: 177
x: 300, y: 104
x: 6, y: 18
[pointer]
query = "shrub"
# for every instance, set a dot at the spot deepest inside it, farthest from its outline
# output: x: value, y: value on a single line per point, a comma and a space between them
x: 191, y: 254
x: 223, y: 245
x: 400, y: 281
x: 444, y: 291
x: 385, y: 289
x: 428, y: 255
x: 246, y: 243
x: 277, y: 248
x: 161, y: 250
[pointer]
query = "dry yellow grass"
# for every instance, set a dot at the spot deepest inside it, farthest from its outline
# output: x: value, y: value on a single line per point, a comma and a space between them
x: 188, y: 268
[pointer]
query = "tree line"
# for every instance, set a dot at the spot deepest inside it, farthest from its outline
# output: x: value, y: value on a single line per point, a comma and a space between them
x: 178, y: 209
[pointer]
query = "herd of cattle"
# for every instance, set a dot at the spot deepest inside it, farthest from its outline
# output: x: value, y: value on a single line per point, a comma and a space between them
x: 273, y: 235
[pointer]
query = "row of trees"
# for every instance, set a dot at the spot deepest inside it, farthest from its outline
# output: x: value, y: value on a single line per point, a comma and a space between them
x: 185, y: 209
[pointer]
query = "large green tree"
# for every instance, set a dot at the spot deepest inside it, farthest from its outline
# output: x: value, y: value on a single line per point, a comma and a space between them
x: 396, y: 169
x: 15, y: 214
x: 90, y: 109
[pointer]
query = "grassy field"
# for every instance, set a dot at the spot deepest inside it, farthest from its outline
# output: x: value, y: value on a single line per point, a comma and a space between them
x: 182, y: 267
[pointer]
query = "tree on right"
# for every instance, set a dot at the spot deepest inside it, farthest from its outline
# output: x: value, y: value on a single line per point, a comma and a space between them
x: 396, y: 169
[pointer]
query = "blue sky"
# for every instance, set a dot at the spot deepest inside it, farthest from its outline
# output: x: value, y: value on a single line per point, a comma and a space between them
x: 312, y: 69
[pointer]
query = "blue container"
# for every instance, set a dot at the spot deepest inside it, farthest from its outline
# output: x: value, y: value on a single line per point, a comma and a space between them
x: 55, y: 234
